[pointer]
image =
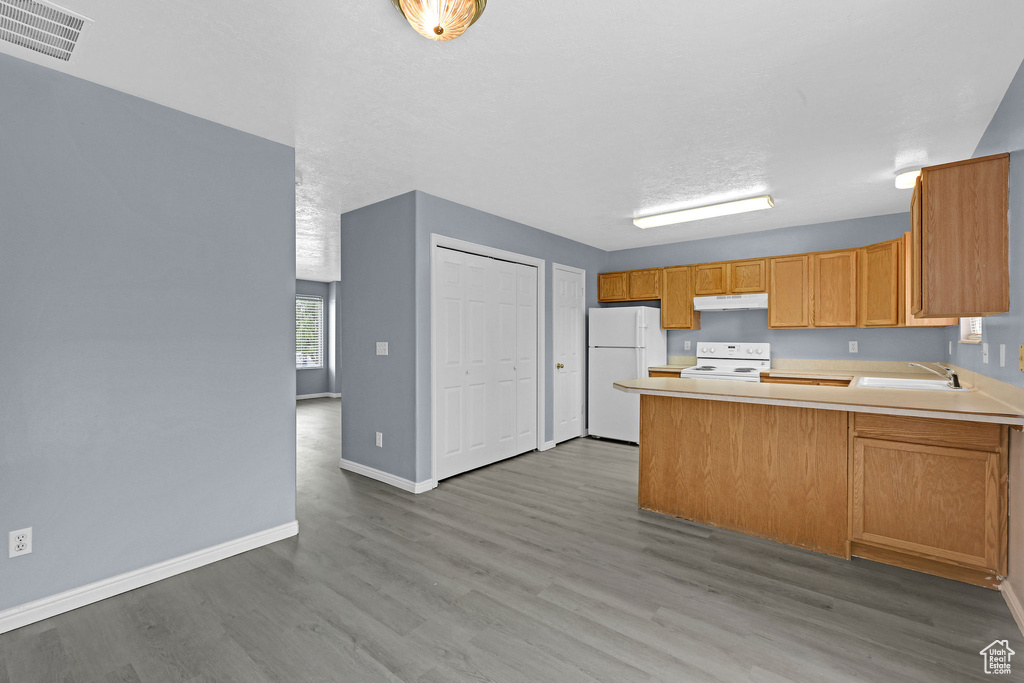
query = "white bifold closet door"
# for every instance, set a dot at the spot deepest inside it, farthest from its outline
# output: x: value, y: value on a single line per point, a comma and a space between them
x: 485, y: 399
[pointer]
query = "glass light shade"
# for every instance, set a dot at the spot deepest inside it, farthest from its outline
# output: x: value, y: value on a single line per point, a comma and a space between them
x: 441, y: 19
x: 702, y: 212
x: 907, y: 180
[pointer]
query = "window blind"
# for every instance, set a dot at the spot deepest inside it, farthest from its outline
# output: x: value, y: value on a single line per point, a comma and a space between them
x: 309, y: 332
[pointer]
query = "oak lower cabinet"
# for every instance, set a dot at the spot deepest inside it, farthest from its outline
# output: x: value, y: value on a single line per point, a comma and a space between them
x: 880, y: 285
x: 789, y: 294
x: 930, y: 495
x: 613, y: 286
x: 960, y: 239
x: 834, y: 289
x: 677, y: 299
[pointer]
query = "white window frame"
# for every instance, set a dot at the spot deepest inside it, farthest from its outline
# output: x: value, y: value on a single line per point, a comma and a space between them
x: 970, y: 330
x: 320, y: 329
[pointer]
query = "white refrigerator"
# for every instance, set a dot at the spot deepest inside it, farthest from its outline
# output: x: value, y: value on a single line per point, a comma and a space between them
x: 623, y: 343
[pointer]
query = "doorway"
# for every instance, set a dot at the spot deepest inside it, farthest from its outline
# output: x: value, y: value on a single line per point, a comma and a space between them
x: 569, y: 316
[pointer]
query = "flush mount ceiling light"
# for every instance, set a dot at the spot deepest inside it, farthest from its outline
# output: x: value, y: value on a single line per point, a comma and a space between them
x: 701, y: 212
x: 906, y: 180
x: 441, y: 19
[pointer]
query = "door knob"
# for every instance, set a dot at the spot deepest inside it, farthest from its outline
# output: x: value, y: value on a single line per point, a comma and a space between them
x: 559, y: 366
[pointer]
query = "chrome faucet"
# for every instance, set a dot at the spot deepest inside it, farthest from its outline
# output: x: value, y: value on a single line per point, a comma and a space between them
x: 949, y: 374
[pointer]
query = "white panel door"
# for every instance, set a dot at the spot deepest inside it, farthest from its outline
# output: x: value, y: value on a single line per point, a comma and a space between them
x: 526, y: 358
x: 485, y: 359
x: 569, y: 313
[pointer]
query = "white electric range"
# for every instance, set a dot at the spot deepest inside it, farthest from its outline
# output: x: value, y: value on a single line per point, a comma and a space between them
x: 736, y: 361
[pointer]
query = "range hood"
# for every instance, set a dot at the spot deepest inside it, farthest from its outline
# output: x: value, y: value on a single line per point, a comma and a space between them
x: 731, y: 302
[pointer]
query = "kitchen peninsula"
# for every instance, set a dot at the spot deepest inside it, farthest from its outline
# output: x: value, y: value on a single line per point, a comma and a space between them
x: 911, y: 478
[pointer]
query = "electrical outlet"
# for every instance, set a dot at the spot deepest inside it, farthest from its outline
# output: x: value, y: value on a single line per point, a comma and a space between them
x: 984, y: 353
x: 382, y: 348
x: 853, y: 347
x: 19, y: 542
x: 1002, y: 355
x: 686, y: 345
x: 951, y: 348
x: 380, y: 440
x: 1021, y: 361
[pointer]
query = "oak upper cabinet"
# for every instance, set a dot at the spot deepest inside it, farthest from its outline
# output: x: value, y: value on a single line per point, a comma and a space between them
x: 960, y: 239
x: 711, y: 279
x: 930, y: 495
x: 613, y: 286
x: 748, y: 277
x: 907, y: 317
x: 677, y: 299
x: 645, y: 284
x: 789, y: 291
x: 880, y: 297
x: 834, y: 289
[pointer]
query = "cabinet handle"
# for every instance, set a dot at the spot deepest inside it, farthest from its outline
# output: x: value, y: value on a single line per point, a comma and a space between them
x: 559, y: 366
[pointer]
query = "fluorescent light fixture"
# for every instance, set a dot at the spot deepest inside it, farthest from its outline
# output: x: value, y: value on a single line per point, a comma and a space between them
x: 702, y: 212
x: 905, y: 180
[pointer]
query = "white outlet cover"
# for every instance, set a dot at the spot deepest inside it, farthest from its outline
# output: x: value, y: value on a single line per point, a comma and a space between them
x: 19, y: 542
x: 853, y: 347
x: 380, y: 440
x: 1002, y: 355
x: 686, y: 346
x: 382, y: 348
x: 984, y: 353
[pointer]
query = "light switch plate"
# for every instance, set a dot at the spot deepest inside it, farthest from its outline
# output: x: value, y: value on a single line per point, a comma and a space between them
x: 382, y: 348
x: 379, y: 441
x: 686, y: 345
x: 984, y: 353
x: 853, y: 347
x: 1002, y: 355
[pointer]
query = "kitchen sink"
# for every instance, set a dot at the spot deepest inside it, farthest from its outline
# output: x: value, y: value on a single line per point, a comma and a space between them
x: 895, y: 383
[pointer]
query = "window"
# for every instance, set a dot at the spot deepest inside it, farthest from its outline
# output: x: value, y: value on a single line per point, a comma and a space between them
x: 309, y: 332
x: 970, y: 330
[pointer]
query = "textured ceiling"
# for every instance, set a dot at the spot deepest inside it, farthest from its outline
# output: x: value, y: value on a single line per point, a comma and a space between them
x: 572, y: 116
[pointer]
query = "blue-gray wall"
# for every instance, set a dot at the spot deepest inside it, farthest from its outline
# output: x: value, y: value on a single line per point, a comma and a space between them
x: 377, y: 295
x: 316, y: 380
x: 440, y: 216
x: 385, y: 296
x: 1004, y: 134
x: 928, y: 344
x: 147, y: 263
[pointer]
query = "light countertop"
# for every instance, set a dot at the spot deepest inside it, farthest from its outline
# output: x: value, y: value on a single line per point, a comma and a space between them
x: 972, y: 406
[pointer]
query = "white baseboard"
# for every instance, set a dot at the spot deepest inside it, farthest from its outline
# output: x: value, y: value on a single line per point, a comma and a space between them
x: 388, y: 478
x: 44, y: 608
x: 324, y: 395
x: 547, y: 446
x: 1013, y: 603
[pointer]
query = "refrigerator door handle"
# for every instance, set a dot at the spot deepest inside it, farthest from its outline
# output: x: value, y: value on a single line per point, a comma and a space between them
x: 639, y: 327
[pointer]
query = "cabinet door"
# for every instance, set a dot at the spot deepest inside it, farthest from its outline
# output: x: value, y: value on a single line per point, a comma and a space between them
x: 612, y: 286
x: 915, y: 248
x: 880, y: 285
x: 677, y: 300
x: 748, y: 277
x: 965, y: 238
x: 645, y: 284
x: 930, y: 501
x: 908, y: 318
x: 788, y: 293
x: 711, y: 279
x: 835, y: 289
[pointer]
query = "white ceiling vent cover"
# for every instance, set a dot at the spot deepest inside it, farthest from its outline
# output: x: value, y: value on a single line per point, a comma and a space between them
x: 43, y: 27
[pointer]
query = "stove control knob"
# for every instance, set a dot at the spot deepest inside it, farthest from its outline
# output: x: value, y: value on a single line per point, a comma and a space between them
x: 703, y: 349
x: 750, y: 350
x: 712, y: 349
x: 757, y: 350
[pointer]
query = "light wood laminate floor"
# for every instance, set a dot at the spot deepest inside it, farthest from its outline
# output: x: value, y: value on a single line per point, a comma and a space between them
x: 539, y: 568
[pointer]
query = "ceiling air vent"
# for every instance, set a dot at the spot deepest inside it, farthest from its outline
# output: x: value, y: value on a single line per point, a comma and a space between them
x: 43, y: 27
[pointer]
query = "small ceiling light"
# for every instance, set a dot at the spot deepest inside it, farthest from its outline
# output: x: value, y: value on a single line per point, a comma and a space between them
x: 441, y: 19
x: 701, y: 212
x: 906, y: 180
